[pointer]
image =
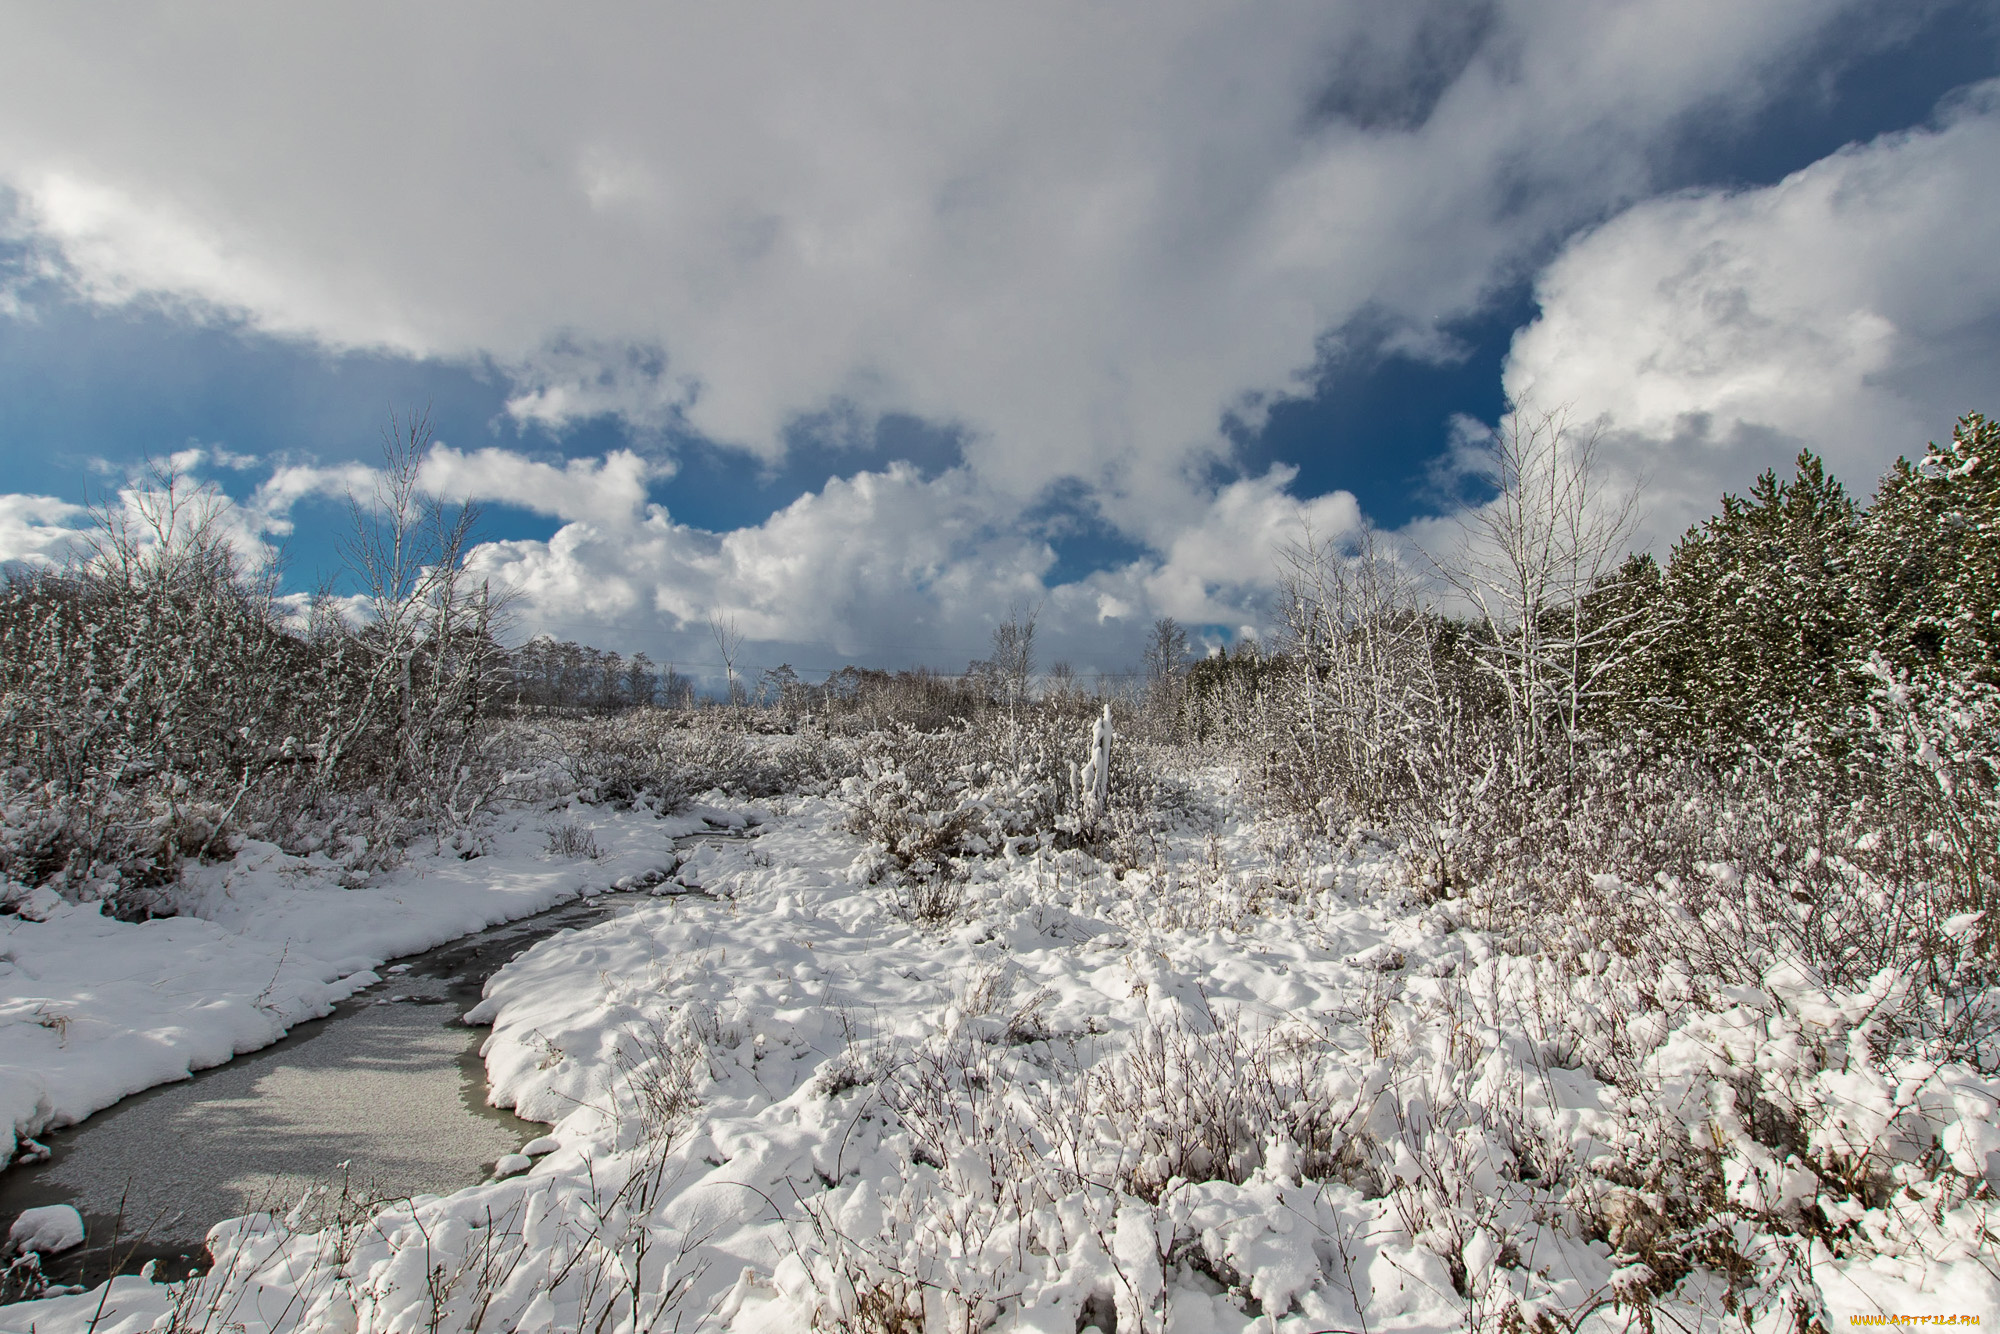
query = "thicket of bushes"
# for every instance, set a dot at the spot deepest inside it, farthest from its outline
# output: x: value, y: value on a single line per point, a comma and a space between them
x: 155, y: 700
x: 1726, y: 830
x: 158, y: 701
x: 1758, y: 783
x: 1806, y: 692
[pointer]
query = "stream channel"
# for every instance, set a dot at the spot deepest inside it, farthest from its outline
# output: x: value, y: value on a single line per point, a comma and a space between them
x: 385, y: 1096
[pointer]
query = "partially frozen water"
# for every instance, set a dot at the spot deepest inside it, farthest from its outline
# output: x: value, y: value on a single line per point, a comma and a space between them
x: 388, y: 1093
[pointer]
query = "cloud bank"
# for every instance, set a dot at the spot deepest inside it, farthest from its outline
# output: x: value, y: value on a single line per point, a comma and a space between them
x: 885, y: 566
x: 1084, y: 233
x: 38, y: 532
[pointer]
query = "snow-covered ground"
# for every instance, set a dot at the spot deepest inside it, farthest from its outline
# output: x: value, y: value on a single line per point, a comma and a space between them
x: 1255, y: 1085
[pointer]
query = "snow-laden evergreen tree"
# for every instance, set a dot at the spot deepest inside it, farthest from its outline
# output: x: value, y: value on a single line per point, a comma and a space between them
x: 1621, y: 619
x: 1931, y: 544
x: 1763, y: 619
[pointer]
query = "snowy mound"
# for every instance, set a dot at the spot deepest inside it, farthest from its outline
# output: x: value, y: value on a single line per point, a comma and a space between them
x: 48, y: 1230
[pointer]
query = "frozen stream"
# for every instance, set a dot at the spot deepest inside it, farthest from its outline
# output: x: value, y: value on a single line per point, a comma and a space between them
x: 388, y: 1092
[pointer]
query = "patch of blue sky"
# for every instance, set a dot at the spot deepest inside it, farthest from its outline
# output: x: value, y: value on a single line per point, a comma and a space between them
x: 1068, y: 519
x: 720, y: 489
x: 87, y: 392
x: 1863, y: 78
x: 1380, y: 419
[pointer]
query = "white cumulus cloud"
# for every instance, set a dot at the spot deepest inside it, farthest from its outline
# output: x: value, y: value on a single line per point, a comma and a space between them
x: 893, y: 567
x: 38, y: 530
x: 882, y: 566
x: 1215, y: 566
x: 1853, y: 308
x: 1075, y: 236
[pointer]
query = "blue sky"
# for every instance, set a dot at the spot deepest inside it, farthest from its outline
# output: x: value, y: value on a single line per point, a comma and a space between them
x: 1055, y: 352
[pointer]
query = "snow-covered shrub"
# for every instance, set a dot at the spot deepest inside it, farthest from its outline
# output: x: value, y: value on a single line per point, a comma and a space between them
x: 924, y: 800
x: 1090, y: 785
x: 963, y: 1226
x: 565, y: 1253
x: 756, y: 754
x: 663, y: 1067
x: 619, y: 759
x: 1202, y: 1097
x: 1939, y: 747
x: 935, y: 802
x: 571, y: 838
x: 665, y: 758
x: 151, y: 704
x: 1080, y: 1182
x: 1747, y: 1111
x: 23, y: 1280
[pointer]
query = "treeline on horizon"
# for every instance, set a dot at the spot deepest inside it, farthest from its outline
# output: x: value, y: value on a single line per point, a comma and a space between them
x: 155, y: 701
x: 565, y: 675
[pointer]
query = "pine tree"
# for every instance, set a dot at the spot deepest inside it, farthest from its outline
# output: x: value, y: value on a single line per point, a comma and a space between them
x: 1766, y: 614
x: 1932, y: 549
x: 1620, y: 621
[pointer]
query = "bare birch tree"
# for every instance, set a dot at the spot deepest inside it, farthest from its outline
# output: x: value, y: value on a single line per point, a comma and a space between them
x: 1526, y: 561
x: 1378, y: 725
x: 1166, y: 660
x: 728, y: 642
x: 1014, y: 652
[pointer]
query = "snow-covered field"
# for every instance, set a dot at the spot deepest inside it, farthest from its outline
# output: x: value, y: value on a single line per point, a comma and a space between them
x: 1258, y: 1084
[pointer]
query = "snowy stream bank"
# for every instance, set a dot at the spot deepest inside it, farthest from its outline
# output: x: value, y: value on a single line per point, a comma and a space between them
x: 387, y: 1092
x: 382, y: 1087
